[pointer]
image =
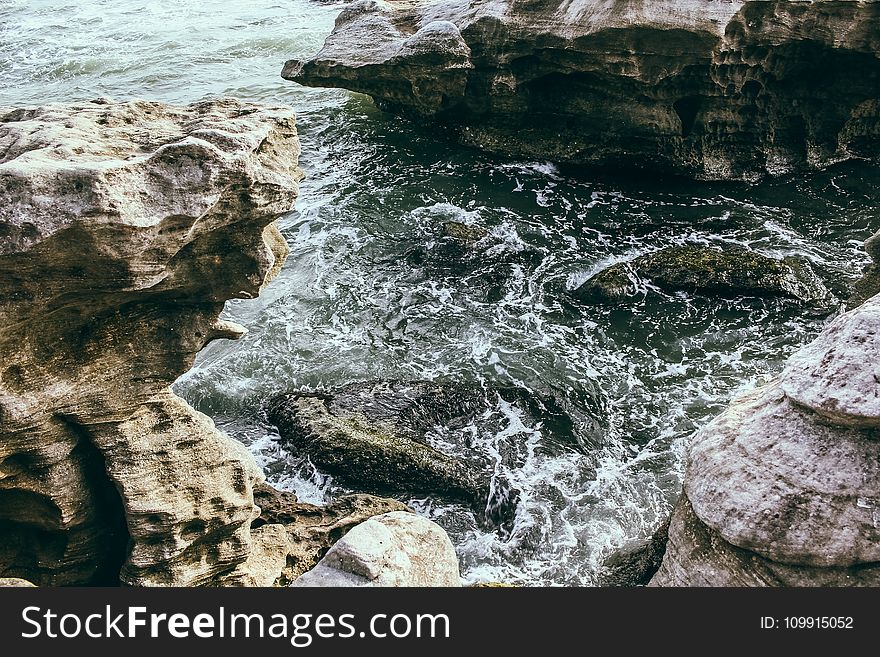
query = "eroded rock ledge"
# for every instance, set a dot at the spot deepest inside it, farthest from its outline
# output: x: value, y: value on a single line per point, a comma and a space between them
x: 123, y: 230
x: 783, y: 488
x: 715, y: 89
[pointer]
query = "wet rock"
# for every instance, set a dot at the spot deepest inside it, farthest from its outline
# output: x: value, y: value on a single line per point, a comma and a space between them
x: 394, y: 549
x: 708, y: 271
x: 869, y: 285
x: 637, y: 562
x: 783, y: 487
x: 708, y: 89
x: 124, y: 229
x: 372, y: 435
x: 462, y: 233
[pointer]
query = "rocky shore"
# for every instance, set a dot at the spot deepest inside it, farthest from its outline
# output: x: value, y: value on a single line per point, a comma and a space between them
x: 125, y: 227
x: 781, y: 489
x: 713, y: 90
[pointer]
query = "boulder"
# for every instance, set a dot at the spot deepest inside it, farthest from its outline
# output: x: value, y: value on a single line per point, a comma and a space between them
x: 465, y: 234
x: 732, y: 89
x: 783, y: 488
x: 124, y: 229
x: 707, y: 271
x: 372, y: 435
x: 394, y: 549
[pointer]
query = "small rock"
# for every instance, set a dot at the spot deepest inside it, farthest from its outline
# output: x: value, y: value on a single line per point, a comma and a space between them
x: 462, y: 232
x: 311, y: 528
x: 394, y: 549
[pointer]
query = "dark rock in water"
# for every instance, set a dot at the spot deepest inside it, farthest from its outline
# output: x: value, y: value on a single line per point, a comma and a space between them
x: 615, y: 284
x: 635, y: 563
x: 372, y: 436
x: 463, y: 233
x: 869, y: 284
x: 712, y: 89
x: 706, y: 270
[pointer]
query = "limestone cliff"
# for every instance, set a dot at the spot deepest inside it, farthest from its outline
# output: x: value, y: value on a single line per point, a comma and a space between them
x: 783, y: 488
x: 123, y: 230
x: 715, y: 89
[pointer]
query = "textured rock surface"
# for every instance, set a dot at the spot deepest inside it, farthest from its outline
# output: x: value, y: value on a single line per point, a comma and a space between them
x: 706, y: 270
x: 707, y: 88
x: 123, y: 230
x: 311, y: 529
x: 372, y: 435
x: 787, y: 480
x: 395, y: 549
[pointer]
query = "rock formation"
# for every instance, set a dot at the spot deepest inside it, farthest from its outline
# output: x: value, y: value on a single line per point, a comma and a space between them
x: 372, y: 435
x: 394, y: 549
x: 706, y: 270
x: 715, y: 89
x: 123, y: 230
x: 783, y: 488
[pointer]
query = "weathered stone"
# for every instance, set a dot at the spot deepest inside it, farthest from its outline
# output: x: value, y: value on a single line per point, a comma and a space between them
x: 394, y: 549
x: 869, y: 284
x: 698, y: 556
x: 783, y: 488
x: 312, y: 529
x: 705, y: 88
x: 125, y: 227
x: 706, y: 270
x: 463, y: 233
x: 267, y: 561
x: 838, y: 375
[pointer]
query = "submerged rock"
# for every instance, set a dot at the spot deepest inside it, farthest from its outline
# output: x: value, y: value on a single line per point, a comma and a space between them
x: 783, y: 487
x: 706, y: 270
x: 372, y: 435
x: 394, y: 549
x: 714, y: 90
x: 462, y: 233
x: 869, y: 284
x: 125, y: 227
x: 637, y: 562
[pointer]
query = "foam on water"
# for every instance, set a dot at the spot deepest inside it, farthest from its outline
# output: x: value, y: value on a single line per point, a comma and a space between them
x: 372, y: 290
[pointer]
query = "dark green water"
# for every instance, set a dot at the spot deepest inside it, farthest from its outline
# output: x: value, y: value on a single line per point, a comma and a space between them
x: 370, y: 292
